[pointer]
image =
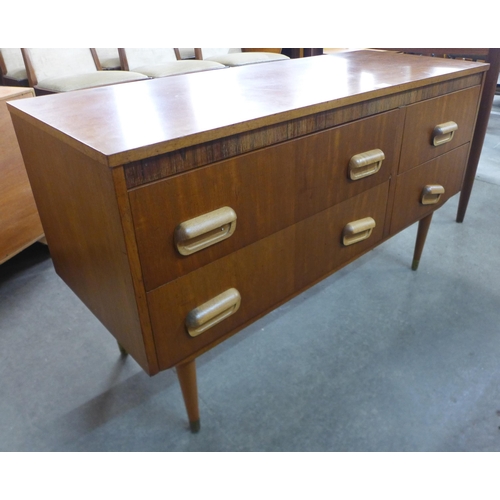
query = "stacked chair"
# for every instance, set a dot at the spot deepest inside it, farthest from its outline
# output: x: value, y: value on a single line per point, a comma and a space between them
x: 157, y: 63
x: 61, y: 70
x: 55, y: 70
x: 12, y: 67
x: 237, y: 57
x: 109, y: 58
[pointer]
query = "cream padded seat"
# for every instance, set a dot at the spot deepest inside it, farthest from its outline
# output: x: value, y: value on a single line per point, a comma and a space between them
x: 63, y: 70
x: 88, y: 80
x: 12, y: 65
x: 160, y: 62
x: 236, y: 57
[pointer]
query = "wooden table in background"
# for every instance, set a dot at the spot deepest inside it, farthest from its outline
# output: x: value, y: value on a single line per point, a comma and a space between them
x: 20, y: 224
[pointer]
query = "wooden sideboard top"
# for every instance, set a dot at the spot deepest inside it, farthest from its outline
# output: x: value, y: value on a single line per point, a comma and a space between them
x: 7, y: 93
x: 122, y: 123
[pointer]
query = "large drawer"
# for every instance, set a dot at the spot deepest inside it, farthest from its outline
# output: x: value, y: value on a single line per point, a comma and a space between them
x: 423, y: 118
x: 268, y: 190
x: 265, y: 273
x: 446, y: 171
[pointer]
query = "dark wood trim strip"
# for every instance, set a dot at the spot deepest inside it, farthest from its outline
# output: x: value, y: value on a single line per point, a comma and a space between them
x: 152, y: 169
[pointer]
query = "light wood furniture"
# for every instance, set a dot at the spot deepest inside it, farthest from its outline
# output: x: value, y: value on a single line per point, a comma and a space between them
x: 181, y: 216
x: 20, y: 224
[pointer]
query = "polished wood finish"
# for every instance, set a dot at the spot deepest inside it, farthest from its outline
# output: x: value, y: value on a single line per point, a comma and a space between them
x: 446, y: 170
x: 86, y: 225
x: 186, y: 372
x: 287, y: 175
x: 421, y: 118
x: 118, y: 169
x: 266, y: 273
x: 491, y: 56
x: 186, y: 158
x: 206, y: 109
x: 423, y: 228
x: 20, y: 224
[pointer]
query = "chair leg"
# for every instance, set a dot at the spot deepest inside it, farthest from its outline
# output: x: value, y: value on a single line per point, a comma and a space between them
x: 423, y: 229
x: 186, y: 373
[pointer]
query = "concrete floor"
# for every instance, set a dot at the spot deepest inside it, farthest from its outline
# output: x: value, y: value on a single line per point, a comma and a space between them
x: 375, y: 358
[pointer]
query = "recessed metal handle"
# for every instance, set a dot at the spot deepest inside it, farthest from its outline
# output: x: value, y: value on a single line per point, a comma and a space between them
x: 212, y: 312
x: 358, y: 230
x: 431, y: 194
x: 365, y: 164
x: 206, y: 230
x: 443, y: 133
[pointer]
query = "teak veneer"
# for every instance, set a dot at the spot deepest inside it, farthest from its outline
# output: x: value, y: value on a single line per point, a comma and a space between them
x: 182, y: 209
x: 20, y: 224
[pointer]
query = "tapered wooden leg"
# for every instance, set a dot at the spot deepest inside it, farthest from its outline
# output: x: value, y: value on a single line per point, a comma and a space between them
x: 423, y: 229
x: 123, y: 352
x: 187, y: 380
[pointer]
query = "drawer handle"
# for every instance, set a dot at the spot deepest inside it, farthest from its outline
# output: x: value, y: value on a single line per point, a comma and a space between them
x: 431, y: 194
x: 207, y: 229
x: 365, y: 164
x: 212, y: 312
x: 358, y: 230
x: 443, y: 133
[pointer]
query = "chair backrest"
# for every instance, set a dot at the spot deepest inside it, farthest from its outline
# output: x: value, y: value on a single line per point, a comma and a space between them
x: 186, y: 53
x: 109, y: 58
x: 12, y: 63
x: 135, y: 58
x: 53, y: 63
x: 213, y: 52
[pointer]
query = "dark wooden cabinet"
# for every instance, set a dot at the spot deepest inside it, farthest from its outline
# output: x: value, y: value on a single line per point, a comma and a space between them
x: 182, y: 209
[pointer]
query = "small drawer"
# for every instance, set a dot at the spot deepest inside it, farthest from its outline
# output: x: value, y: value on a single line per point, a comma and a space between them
x: 268, y: 190
x: 422, y: 190
x: 237, y: 288
x: 436, y: 126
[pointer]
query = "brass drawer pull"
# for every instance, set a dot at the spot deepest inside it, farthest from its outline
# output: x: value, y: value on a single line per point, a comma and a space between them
x: 443, y: 133
x: 205, y: 230
x: 358, y: 230
x: 212, y: 312
x: 365, y: 164
x: 431, y: 194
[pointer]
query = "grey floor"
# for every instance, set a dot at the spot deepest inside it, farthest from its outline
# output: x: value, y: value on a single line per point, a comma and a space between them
x: 375, y: 358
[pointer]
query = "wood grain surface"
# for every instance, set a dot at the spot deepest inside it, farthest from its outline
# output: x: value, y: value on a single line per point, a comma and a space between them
x: 122, y: 123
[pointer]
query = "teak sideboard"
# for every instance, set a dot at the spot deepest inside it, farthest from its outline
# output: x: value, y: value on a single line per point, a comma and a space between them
x: 182, y: 209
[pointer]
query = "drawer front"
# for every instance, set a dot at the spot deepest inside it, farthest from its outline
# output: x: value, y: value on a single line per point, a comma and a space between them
x: 446, y: 171
x: 422, y: 119
x: 268, y: 190
x: 265, y: 274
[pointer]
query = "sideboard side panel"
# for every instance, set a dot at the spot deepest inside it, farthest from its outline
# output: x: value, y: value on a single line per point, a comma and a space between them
x: 77, y: 202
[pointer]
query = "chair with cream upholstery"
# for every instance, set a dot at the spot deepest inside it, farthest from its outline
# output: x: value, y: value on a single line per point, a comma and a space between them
x: 62, y: 70
x: 12, y: 67
x: 157, y: 63
x: 186, y: 53
x: 237, y: 57
x: 109, y: 58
